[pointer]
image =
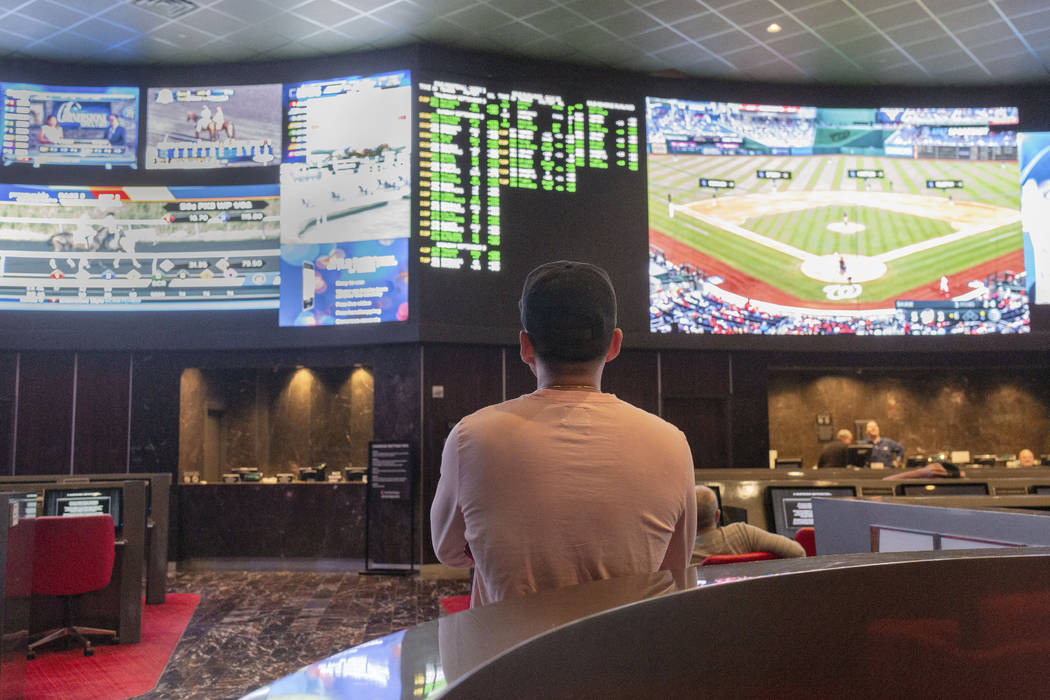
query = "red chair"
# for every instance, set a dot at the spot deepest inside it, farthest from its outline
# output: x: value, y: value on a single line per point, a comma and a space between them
x: 716, y: 559
x: 72, y: 555
x: 806, y: 537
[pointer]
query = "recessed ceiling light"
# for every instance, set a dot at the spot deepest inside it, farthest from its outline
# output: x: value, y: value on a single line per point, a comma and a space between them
x: 773, y: 28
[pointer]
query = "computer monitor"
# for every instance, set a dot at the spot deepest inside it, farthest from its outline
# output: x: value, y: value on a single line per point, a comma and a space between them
x: 792, y: 506
x: 86, y: 500
x: 788, y: 462
x: 858, y: 455
x: 27, y: 503
x: 944, y: 489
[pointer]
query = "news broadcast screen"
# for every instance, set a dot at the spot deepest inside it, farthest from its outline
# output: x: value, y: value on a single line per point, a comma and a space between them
x: 70, y: 125
x: 213, y: 127
x: 346, y: 187
x: 127, y: 248
x: 788, y: 220
x: 1035, y: 212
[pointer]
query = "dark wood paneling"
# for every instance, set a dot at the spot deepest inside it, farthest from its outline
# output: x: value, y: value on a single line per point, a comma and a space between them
x: 101, y: 430
x: 8, y: 377
x: 705, y: 424
x: 633, y: 377
x: 154, y: 414
x: 45, y: 413
x: 692, y: 374
x: 472, y: 378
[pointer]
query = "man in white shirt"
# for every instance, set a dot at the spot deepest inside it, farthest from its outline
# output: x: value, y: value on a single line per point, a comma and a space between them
x: 567, y: 484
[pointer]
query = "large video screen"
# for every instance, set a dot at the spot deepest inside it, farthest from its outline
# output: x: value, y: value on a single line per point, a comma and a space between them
x: 70, y: 125
x: 139, y: 247
x: 1035, y: 211
x: 213, y: 127
x: 346, y: 187
x: 786, y: 220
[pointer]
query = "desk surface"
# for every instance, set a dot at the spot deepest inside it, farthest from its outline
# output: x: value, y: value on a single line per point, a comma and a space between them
x: 556, y: 630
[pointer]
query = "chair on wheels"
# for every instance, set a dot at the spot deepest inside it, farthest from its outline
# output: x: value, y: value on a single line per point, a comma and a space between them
x: 716, y: 559
x: 806, y: 537
x: 72, y: 555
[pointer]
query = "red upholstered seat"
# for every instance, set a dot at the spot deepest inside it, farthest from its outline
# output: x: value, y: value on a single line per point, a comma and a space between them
x: 72, y: 555
x: 456, y: 603
x: 716, y: 559
x: 807, y: 538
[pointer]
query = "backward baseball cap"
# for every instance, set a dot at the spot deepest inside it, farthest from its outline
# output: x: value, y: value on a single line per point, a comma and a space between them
x: 568, y: 309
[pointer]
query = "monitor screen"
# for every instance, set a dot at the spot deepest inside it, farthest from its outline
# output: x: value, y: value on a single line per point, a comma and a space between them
x: 944, y: 489
x: 84, y: 501
x: 27, y: 503
x: 346, y: 187
x: 70, y: 125
x: 858, y: 455
x: 1041, y: 490
x: 792, y: 506
x: 130, y: 248
x: 793, y: 220
x: 515, y: 172
x: 213, y: 127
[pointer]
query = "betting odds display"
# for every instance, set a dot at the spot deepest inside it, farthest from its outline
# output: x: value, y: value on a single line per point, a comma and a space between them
x: 70, y: 125
x: 213, y: 127
x: 139, y: 247
x: 346, y: 186
x: 478, y: 142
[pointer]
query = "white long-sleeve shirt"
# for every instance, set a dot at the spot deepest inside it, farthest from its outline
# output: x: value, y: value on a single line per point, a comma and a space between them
x: 556, y: 488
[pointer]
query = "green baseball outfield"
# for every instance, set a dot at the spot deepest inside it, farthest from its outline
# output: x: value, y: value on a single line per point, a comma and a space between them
x: 802, y: 241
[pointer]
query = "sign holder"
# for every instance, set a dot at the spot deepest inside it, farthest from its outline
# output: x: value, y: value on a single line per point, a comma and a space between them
x: 390, y: 509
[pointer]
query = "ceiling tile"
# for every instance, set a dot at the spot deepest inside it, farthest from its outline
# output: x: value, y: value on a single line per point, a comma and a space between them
x: 750, y: 57
x: 823, y: 14
x: 751, y: 12
x: 27, y: 26
x: 134, y: 18
x: 256, y: 41
x: 1013, y: 8
x: 933, y: 47
x: 290, y: 26
x: 106, y: 32
x: 845, y: 30
x: 802, y: 43
x: 998, y: 49
x: 898, y: 15
x: 671, y: 11
x: 554, y: 20
x: 247, y: 10
x: 523, y: 8
x: 597, y: 9
x: 939, y: 6
x: 1032, y: 23
x: 327, y: 13
x: 629, y: 23
x: 86, y: 6
x: 215, y: 23
x: 517, y: 33
x: 1023, y: 64
x: 364, y: 5
x: 727, y: 42
x: 704, y: 25
x: 865, y: 45
x: 684, y: 54
x: 984, y: 35
x: 51, y: 13
x: 915, y: 33
x: 326, y: 41
x: 788, y: 27
x: 971, y: 17
x: 403, y: 15
x: 657, y: 39
x: 364, y: 29
x: 948, y: 62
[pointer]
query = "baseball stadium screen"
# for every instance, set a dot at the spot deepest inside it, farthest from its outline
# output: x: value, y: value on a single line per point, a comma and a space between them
x: 124, y: 248
x: 346, y: 187
x: 213, y: 127
x: 70, y: 125
x: 787, y: 220
x: 1034, y: 156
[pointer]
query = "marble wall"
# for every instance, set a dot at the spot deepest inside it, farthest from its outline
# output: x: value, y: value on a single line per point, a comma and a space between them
x: 276, y: 419
x: 931, y: 410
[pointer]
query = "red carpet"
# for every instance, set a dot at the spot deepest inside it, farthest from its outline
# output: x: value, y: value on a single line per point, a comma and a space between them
x: 115, y: 671
x: 456, y: 603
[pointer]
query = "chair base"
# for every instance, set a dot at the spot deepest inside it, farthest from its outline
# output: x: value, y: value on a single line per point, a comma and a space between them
x: 74, y: 632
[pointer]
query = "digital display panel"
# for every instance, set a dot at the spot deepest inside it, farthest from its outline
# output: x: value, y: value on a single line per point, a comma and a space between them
x: 139, y: 247
x: 1034, y: 156
x: 70, y: 125
x: 84, y: 501
x: 213, y: 127
x: 479, y: 142
x: 888, y: 221
x: 346, y: 187
x: 792, y: 506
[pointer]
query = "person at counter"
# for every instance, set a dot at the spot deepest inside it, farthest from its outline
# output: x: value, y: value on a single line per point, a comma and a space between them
x: 884, y: 451
x: 1025, y: 458
x: 734, y: 538
x: 567, y: 484
x: 836, y: 453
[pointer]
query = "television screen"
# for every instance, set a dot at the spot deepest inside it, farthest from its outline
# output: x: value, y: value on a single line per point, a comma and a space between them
x: 792, y: 506
x: 1034, y: 154
x: 858, y: 455
x: 139, y: 247
x: 346, y: 187
x: 84, y: 501
x: 213, y: 127
x: 70, y: 125
x: 516, y: 172
x: 788, y: 220
x: 26, y: 501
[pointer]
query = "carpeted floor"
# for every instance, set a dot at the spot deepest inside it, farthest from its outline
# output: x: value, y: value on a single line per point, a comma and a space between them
x: 251, y: 627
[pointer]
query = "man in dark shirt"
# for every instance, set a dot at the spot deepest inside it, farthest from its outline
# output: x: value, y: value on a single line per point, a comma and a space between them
x: 836, y: 453
x: 884, y: 451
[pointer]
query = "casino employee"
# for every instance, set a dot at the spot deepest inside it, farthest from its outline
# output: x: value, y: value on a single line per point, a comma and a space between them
x: 567, y: 484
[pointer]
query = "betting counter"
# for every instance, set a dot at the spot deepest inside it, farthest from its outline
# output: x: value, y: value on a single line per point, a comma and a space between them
x: 931, y: 624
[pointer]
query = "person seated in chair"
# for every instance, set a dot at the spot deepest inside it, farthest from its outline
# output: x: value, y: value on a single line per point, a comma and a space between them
x: 734, y: 538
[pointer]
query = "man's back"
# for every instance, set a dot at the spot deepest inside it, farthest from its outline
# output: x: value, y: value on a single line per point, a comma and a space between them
x: 561, y: 487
